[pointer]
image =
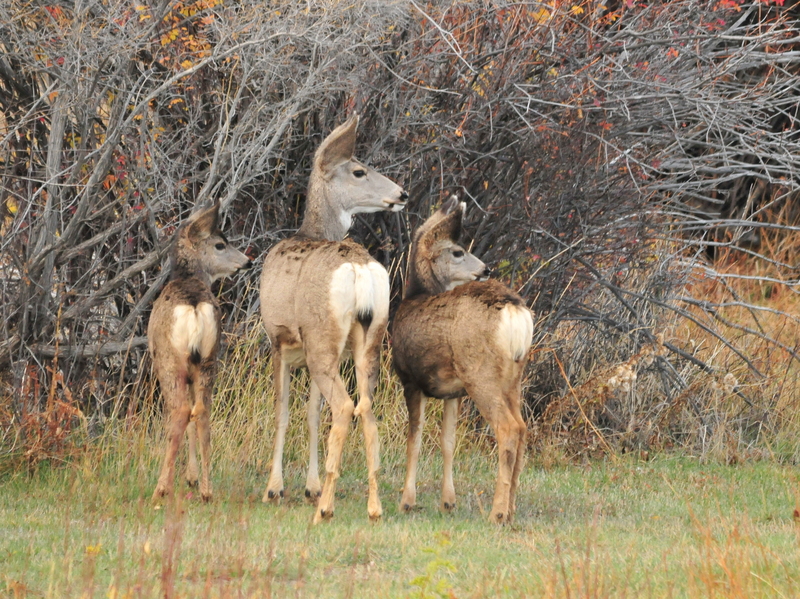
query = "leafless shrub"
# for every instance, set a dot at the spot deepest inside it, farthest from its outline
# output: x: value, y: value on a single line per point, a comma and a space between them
x: 608, y: 152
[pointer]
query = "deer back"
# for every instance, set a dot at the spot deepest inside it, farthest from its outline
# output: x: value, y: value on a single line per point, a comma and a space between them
x: 320, y: 286
x: 440, y: 340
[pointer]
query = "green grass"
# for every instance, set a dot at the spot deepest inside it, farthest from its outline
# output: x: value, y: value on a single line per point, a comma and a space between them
x: 671, y: 527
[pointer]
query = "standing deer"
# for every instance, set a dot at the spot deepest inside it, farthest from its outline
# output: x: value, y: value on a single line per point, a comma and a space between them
x: 456, y: 333
x: 184, y: 334
x: 322, y: 295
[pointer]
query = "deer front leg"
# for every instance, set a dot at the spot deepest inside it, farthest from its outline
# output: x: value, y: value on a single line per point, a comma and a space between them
x: 415, y: 402
x: 313, y: 485
x: 449, y: 419
x: 274, y: 490
x: 175, y: 393
x: 192, y: 467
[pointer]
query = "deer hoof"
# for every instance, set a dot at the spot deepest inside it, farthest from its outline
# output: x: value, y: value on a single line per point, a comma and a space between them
x: 207, y: 497
x: 273, y: 495
x: 312, y: 496
x: 407, y: 507
x: 323, y: 515
x: 192, y: 484
x: 448, y: 506
x: 499, y: 518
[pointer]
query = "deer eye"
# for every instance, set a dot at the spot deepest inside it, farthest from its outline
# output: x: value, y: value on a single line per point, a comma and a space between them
x: 220, y: 246
x: 360, y: 173
x: 458, y: 253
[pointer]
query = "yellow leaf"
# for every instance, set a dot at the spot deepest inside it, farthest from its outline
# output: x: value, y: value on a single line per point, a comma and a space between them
x: 187, y: 64
x: 576, y: 10
x: 541, y: 15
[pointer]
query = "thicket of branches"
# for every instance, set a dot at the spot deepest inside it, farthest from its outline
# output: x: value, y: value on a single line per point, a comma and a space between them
x: 605, y: 152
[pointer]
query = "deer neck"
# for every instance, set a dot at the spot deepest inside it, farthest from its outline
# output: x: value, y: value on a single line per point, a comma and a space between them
x: 185, y: 269
x: 326, y: 216
x: 422, y: 283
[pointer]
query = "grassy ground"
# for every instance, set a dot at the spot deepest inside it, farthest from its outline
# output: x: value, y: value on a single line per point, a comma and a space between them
x: 671, y: 527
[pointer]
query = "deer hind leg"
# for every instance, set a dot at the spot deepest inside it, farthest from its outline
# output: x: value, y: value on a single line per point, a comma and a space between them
x: 313, y: 485
x: 192, y: 467
x: 323, y: 363
x: 366, y: 344
x: 510, y: 434
x: 449, y: 418
x: 176, y: 395
x: 201, y: 416
x: 514, y: 402
x: 274, y: 490
x: 415, y: 403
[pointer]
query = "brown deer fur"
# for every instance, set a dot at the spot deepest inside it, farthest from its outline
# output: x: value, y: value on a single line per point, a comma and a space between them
x: 183, y: 335
x: 450, y: 338
x: 322, y: 295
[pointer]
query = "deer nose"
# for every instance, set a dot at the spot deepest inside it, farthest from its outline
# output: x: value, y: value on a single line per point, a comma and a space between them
x: 404, y: 196
x: 486, y: 273
x: 248, y: 266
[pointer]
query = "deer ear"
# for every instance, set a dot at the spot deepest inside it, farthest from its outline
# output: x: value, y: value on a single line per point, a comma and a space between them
x: 452, y: 213
x: 201, y: 224
x: 445, y: 223
x: 339, y: 146
x: 450, y: 204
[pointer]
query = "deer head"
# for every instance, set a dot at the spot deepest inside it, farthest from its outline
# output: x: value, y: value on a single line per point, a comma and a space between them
x: 438, y: 263
x: 341, y: 186
x: 202, y: 250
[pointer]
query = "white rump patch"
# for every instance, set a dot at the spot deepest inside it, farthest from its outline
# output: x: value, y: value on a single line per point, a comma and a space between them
x: 380, y: 290
x: 515, y: 332
x: 194, y: 329
x: 359, y: 290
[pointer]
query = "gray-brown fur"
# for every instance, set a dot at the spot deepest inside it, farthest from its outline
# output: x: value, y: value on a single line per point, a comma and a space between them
x: 322, y: 297
x: 447, y: 344
x: 183, y: 336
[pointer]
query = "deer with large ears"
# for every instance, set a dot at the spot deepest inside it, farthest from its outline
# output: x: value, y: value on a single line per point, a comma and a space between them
x: 323, y: 296
x: 454, y: 334
x: 183, y: 335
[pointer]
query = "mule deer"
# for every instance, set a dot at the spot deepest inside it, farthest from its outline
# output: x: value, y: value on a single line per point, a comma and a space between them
x: 456, y: 333
x: 322, y: 295
x: 184, y: 334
